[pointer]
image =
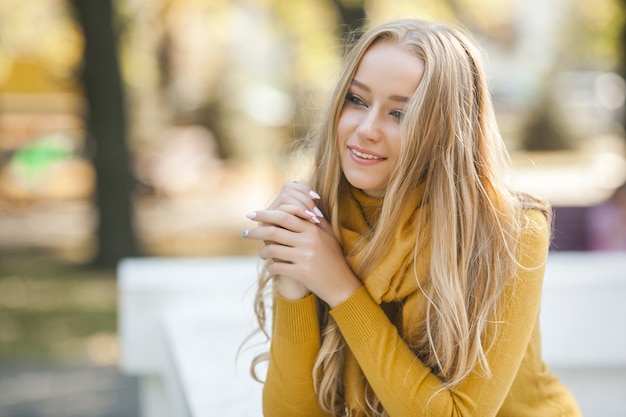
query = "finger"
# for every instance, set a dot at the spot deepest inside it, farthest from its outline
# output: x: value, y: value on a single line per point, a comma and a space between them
x: 293, y: 198
x: 302, y: 188
x: 285, y: 269
x: 272, y: 235
x: 299, y: 211
x: 309, y: 208
x: 294, y: 193
x: 312, y: 216
x: 288, y: 191
x: 292, y: 210
x: 279, y: 253
x: 290, y: 218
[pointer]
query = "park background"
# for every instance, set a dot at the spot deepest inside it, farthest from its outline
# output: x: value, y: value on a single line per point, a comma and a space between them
x: 150, y: 127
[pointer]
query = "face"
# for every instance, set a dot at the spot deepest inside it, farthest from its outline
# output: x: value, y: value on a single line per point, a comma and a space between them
x: 368, y: 130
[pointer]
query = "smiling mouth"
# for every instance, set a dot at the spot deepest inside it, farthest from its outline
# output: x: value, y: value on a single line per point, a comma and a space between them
x: 365, y: 155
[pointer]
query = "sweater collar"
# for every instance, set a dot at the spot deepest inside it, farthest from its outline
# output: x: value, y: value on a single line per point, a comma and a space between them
x: 389, y: 280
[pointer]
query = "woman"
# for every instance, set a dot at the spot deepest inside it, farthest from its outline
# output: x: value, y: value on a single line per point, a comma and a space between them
x: 407, y: 275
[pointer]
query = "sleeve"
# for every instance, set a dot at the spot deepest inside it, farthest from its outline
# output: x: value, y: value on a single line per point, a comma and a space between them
x: 288, y: 389
x: 405, y: 386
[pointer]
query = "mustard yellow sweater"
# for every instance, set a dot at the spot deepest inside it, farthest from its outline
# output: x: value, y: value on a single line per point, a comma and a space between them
x: 521, y: 384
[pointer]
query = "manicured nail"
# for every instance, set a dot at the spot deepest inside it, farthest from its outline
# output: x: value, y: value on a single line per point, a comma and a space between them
x: 313, y: 216
x: 314, y: 195
x: 244, y: 234
x: 251, y: 215
x: 318, y: 212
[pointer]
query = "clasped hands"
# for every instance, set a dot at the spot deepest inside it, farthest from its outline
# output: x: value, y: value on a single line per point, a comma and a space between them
x: 300, y: 241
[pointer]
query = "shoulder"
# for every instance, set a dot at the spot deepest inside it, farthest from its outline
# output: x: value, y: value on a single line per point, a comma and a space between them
x: 534, y: 223
x: 533, y: 202
x: 534, y: 237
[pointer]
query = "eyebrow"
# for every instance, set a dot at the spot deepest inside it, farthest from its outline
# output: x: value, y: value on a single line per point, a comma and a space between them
x: 401, y: 99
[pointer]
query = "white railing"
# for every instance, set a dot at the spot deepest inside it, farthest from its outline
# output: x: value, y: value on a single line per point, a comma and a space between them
x: 182, y: 322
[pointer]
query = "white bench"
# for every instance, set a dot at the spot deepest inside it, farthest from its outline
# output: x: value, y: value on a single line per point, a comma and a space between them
x: 183, y: 320
x: 181, y: 323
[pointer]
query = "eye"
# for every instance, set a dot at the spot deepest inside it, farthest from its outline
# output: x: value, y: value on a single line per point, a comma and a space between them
x: 397, y: 114
x: 354, y: 99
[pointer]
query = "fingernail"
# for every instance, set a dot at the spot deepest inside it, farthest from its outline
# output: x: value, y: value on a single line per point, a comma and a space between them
x: 244, y: 234
x: 318, y: 212
x: 313, y: 216
x: 251, y: 215
x: 314, y: 195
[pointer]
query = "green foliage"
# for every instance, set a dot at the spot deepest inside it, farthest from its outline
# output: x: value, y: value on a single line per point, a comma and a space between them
x: 34, y: 160
x: 591, y: 34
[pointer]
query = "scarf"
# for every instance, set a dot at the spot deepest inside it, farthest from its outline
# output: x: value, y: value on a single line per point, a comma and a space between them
x: 393, y: 278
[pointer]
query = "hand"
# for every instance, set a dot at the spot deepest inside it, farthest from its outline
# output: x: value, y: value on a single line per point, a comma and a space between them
x: 304, y: 252
x: 296, y: 194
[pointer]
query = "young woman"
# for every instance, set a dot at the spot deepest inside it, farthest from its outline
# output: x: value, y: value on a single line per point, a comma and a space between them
x: 407, y: 274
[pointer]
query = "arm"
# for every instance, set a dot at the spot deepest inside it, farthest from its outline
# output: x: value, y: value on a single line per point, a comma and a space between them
x: 294, y: 194
x: 406, y: 387
x: 305, y: 252
x: 292, y: 232
x: 288, y: 389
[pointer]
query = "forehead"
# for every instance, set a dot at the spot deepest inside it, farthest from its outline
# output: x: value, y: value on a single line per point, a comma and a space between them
x: 390, y: 66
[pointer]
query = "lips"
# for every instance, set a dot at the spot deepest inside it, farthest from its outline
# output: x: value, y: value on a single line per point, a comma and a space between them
x: 361, y: 153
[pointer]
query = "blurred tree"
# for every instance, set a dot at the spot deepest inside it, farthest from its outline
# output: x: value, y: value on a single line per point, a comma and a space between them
x: 352, y: 14
x: 543, y: 132
x: 106, y: 123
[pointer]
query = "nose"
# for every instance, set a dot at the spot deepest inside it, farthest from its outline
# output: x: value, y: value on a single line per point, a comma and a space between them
x: 370, y: 126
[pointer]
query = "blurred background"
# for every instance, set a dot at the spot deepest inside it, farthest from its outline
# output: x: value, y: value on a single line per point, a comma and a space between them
x: 150, y: 127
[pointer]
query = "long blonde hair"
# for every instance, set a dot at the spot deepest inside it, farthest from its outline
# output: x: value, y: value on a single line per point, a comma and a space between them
x: 451, y: 144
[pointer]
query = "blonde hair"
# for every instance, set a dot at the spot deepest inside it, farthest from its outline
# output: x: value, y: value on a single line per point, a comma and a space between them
x: 451, y: 144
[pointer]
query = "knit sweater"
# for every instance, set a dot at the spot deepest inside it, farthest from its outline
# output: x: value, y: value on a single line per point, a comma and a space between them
x: 521, y: 385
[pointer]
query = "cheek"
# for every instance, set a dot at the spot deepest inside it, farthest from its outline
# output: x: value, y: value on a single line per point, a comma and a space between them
x: 396, y: 147
x: 342, y: 125
x: 395, y: 140
x: 347, y: 123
